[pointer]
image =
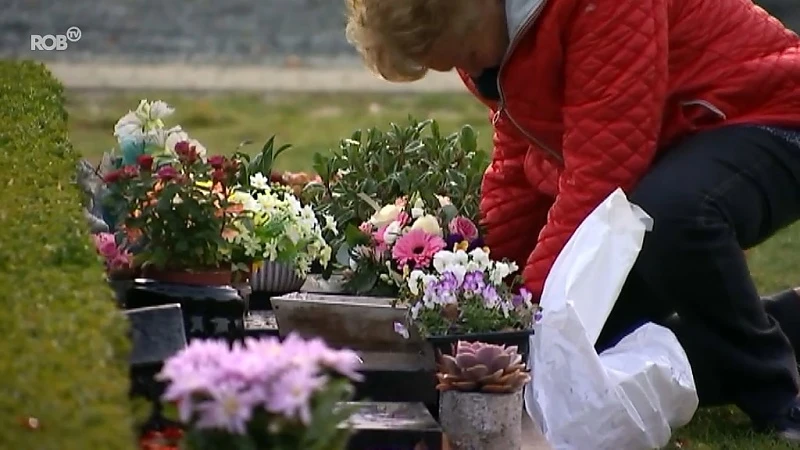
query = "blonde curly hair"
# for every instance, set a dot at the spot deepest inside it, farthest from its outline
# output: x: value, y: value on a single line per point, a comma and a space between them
x: 393, y: 36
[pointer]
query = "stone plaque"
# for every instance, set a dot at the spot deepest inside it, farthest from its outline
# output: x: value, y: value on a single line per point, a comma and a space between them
x: 157, y: 333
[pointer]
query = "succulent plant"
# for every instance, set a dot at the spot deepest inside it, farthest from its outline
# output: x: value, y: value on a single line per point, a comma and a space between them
x: 480, y: 367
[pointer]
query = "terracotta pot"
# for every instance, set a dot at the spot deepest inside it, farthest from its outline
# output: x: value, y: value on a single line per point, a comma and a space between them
x: 202, y: 277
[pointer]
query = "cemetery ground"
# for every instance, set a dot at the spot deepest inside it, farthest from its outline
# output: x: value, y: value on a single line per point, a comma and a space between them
x: 316, y: 122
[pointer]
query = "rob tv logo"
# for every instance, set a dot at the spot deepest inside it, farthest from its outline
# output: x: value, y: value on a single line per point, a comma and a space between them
x: 48, y: 42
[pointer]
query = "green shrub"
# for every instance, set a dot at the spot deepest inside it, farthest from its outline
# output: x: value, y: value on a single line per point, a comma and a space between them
x: 63, y: 345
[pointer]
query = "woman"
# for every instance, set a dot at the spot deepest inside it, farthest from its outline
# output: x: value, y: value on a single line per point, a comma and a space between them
x: 691, y: 106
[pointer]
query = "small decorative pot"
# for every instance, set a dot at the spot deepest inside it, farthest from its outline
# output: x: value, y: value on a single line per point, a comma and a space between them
x: 276, y: 278
x: 481, y: 421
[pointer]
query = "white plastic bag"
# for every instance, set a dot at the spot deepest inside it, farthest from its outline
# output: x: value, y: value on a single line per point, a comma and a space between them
x: 631, y: 396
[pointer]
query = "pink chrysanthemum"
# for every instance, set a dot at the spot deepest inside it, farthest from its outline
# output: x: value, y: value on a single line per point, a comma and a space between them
x: 417, y: 247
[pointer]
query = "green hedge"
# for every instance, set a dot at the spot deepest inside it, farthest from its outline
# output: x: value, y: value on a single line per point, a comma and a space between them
x: 63, y: 345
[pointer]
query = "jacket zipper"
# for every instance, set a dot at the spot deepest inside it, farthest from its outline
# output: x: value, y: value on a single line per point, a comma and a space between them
x: 501, y: 107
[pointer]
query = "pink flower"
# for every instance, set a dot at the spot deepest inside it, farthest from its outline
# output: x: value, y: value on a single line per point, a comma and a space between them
x: 380, y: 239
x: 401, y: 202
x: 121, y: 260
x: 167, y: 173
x: 417, y: 247
x: 106, y: 245
x: 366, y: 227
x: 464, y: 227
x: 403, y: 219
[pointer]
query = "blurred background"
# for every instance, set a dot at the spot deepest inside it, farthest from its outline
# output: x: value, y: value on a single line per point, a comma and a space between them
x: 235, y: 69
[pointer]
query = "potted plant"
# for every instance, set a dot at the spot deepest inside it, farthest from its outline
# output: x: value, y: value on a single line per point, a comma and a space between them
x: 481, y: 396
x: 262, y: 394
x: 279, y: 236
x: 399, y: 238
x: 372, y: 169
x: 465, y: 295
x: 170, y: 204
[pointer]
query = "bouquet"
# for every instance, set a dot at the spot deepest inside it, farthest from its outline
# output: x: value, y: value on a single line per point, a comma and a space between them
x: 400, y: 238
x: 277, y: 227
x: 168, y: 200
x: 262, y: 394
x: 466, y: 292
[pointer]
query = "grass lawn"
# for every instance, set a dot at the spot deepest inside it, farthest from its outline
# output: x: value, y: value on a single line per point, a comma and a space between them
x: 316, y: 123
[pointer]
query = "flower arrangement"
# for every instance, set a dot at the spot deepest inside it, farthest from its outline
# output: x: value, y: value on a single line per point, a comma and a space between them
x: 277, y: 227
x: 262, y: 394
x: 400, y: 238
x: 167, y: 198
x: 466, y: 293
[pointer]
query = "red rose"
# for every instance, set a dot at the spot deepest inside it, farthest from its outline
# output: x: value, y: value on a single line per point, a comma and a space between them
x: 218, y: 176
x: 182, y: 148
x: 112, y: 177
x: 130, y: 171
x: 186, y: 152
x: 167, y: 173
x: 145, y: 162
x: 216, y: 161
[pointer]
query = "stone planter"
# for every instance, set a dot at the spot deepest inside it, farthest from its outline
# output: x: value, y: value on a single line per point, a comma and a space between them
x: 480, y: 421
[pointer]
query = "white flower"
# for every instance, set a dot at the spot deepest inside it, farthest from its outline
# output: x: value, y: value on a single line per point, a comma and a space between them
x: 414, y: 280
x: 246, y: 200
x: 459, y: 272
x: 330, y: 224
x: 461, y: 258
x: 259, y: 181
x: 145, y: 121
x: 499, y: 272
x: 428, y: 224
x: 129, y: 126
x: 418, y: 209
x: 392, y: 232
x: 385, y: 216
x: 442, y: 259
x: 198, y: 148
x: 481, y: 259
x: 172, y: 137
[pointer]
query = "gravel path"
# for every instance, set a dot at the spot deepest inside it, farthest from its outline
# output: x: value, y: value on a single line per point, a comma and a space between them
x: 99, y: 76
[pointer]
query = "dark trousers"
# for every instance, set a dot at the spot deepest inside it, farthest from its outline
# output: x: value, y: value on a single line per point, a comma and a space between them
x: 711, y: 196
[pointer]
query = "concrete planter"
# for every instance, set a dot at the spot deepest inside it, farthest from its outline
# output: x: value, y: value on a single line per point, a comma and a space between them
x: 481, y: 421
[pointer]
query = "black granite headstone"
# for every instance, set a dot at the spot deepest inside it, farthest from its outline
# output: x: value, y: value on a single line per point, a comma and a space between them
x: 156, y: 333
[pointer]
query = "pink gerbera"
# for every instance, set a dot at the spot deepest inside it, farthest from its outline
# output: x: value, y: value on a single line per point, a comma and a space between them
x: 417, y: 247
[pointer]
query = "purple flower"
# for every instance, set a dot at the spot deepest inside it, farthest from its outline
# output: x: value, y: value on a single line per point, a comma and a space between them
x: 291, y: 394
x: 220, y: 387
x: 490, y: 296
x: 473, y: 283
x: 523, y: 299
x: 228, y: 409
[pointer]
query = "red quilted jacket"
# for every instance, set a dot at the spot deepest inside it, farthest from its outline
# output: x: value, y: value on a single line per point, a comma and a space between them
x: 591, y: 90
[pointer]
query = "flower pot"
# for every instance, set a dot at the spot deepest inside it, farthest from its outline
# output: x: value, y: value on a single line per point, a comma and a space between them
x: 481, y: 421
x: 275, y: 278
x: 520, y: 338
x: 211, y: 307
